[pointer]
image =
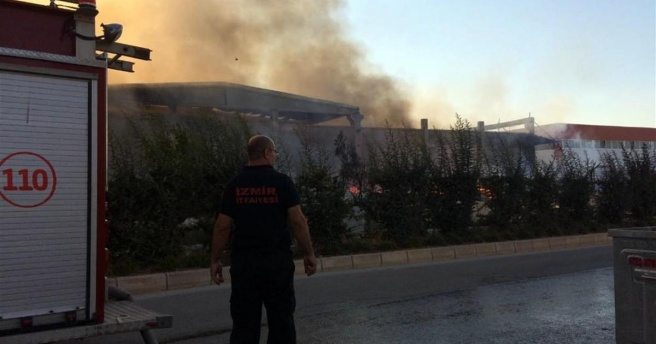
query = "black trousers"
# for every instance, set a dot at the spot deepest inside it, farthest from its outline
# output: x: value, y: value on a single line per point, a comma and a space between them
x: 262, y: 278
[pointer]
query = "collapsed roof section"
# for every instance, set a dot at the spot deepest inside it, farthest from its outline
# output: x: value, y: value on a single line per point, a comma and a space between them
x: 234, y: 97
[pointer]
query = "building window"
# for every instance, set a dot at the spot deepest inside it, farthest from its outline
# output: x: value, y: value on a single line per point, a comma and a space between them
x: 572, y: 144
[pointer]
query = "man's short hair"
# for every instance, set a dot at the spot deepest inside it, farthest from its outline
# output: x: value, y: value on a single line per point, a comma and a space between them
x: 257, y: 145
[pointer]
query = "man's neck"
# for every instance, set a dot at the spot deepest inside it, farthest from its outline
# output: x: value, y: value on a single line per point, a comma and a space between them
x: 259, y: 162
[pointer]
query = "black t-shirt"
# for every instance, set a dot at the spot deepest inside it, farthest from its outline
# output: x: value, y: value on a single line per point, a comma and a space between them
x: 257, y: 200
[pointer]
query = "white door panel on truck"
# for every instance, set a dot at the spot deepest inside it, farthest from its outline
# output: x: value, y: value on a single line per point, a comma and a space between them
x: 46, y: 196
x: 53, y: 146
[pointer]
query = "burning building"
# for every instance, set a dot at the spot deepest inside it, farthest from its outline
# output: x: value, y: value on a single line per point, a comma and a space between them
x: 280, y: 114
x: 267, y: 111
x: 254, y: 102
x: 592, y: 141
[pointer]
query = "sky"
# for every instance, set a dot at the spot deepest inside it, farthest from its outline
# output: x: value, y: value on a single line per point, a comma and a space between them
x: 582, y: 61
x: 560, y: 61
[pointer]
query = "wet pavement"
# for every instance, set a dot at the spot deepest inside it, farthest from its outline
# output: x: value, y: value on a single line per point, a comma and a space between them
x: 570, y: 308
x: 576, y: 308
x: 548, y: 297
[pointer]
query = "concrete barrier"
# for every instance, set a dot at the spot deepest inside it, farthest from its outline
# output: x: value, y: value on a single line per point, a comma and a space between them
x: 443, y: 253
x: 422, y: 255
x: 336, y: 263
x: 541, y: 244
x: 505, y: 247
x: 112, y: 282
x: 524, y: 246
x: 464, y: 251
x: 604, y: 239
x: 191, y: 278
x: 367, y: 260
x: 394, y: 257
x: 143, y: 283
x: 556, y: 243
x: 573, y: 241
x: 200, y: 277
x: 299, y: 267
x: 485, y: 249
x: 587, y: 240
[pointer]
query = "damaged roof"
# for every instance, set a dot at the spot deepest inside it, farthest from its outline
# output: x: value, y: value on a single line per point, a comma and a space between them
x: 232, y: 97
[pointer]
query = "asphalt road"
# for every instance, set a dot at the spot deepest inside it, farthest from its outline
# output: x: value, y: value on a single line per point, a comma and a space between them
x: 552, y: 297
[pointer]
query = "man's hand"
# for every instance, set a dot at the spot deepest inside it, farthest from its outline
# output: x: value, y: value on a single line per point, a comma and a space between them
x: 217, y: 272
x: 310, y: 262
x: 220, y: 238
x: 299, y: 226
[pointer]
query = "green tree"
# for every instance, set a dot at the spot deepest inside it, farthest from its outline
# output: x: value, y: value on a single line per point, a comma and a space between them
x: 398, y: 175
x: 641, y: 171
x: 167, y: 179
x: 612, y: 200
x: 505, y: 179
x: 323, y: 197
x: 351, y: 168
x: 540, y: 201
x: 453, y: 182
x: 576, y: 185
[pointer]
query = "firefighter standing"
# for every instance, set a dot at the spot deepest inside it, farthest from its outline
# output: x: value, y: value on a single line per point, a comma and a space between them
x: 261, y: 203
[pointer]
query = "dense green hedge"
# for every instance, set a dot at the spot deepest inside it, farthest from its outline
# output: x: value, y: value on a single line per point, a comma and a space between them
x: 165, y: 185
x: 452, y: 187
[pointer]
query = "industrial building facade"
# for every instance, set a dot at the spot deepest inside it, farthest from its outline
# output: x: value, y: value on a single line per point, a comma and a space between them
x: 592, y: 141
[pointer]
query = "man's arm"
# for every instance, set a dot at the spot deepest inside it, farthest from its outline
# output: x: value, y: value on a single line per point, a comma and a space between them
x: 220, y: 239
x: 302, y: 234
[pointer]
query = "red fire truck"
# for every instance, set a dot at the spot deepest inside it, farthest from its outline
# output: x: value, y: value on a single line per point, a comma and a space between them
x: 53, y: 86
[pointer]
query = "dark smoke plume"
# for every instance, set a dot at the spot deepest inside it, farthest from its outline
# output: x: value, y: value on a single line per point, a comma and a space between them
x: 296, y: 46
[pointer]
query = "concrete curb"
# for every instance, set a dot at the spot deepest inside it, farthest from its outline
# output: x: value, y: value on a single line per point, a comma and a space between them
x: 420, y: 255
x: 201, y: 277
x: 143, y: 283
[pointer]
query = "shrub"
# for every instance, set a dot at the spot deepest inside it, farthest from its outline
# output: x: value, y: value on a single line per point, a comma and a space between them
x: 396, y: 188
x: 541, y: 200
x: 576, y: 185
x: 506, y: 182
x: 163, y: 174
x: 612, y: 196
x: 453, y: 179
x: 323, y: 197
x: 641, y: 171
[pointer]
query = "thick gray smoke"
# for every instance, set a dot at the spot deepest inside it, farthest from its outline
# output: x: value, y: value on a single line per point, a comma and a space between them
x: 296, y: 46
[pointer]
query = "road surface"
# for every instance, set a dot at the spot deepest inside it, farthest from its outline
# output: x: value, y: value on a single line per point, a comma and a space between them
x: 552, y: 297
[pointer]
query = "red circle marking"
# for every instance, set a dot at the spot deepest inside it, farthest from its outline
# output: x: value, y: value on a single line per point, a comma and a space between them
x: 54, y: 180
